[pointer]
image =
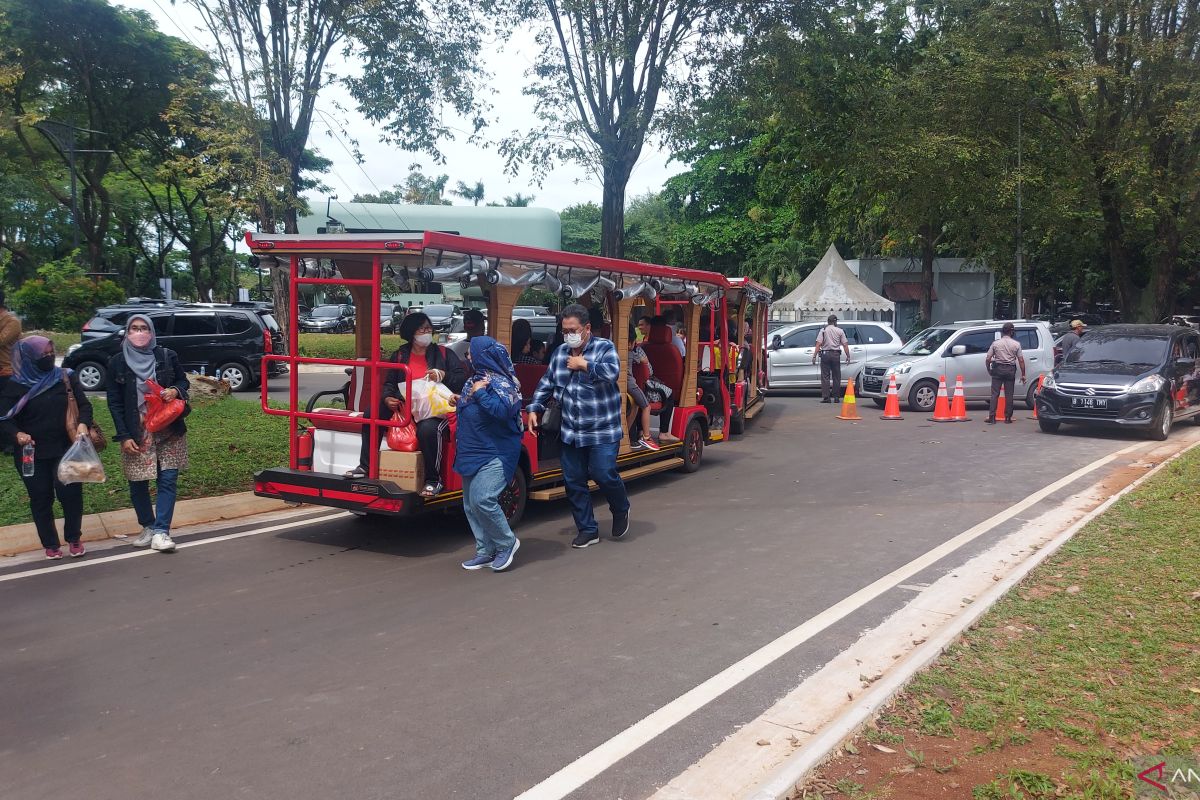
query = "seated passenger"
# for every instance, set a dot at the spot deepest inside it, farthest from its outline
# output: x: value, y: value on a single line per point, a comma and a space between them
x: 642, y: 429
x: 656, y: 392
x: 424, y: 360
x: 535, y: 353
x: 522, y: 335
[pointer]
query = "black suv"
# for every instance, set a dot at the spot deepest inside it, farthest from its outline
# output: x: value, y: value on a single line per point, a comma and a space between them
x: 226, y: 341
x: 1137, y: 376
x: 110, y: 319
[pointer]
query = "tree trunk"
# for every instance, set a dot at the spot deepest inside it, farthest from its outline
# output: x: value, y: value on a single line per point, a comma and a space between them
x: 199, y: 274
x: 612, y: 215
x: 928, y: 253
x: 1166, y: 257
x: 1113, y: 236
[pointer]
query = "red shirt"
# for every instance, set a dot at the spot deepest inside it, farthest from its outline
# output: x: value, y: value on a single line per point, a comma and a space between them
x: 417, y: 367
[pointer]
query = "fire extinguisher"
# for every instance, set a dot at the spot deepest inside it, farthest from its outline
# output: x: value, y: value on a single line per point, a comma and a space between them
x: 304, y: 449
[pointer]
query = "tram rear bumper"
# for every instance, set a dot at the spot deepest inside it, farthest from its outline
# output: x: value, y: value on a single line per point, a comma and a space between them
x: 318, y: 488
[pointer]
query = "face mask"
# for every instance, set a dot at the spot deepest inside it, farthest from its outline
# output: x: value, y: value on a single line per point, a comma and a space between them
x: 45, y: 363
x: 423, y: 339
x: 139, y: 338
x: 573, y: 340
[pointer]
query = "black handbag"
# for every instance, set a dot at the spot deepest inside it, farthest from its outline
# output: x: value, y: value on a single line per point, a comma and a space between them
x: 551, y: 418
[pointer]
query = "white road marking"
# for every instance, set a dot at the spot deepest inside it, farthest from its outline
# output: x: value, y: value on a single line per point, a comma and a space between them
x: 591, y: 764
x: 91, y: 562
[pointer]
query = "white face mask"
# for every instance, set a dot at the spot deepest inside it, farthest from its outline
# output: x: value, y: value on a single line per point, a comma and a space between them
x: 573, y: 340
x: 423, y: 339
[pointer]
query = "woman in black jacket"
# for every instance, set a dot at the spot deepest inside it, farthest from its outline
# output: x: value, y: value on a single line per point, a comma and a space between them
x: 33, y: 410
x: 424, y: 360
x: 145, y: 456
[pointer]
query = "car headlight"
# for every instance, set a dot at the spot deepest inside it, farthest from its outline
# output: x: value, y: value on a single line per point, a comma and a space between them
x: 901, y: 369
x: 1151, y: 383
x: 1048, y: 382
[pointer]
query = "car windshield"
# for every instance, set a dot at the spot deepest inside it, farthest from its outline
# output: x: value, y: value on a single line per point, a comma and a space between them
x: 1110, y: 349
x: 387, y: 309
x: 269, y: 321
x: 327, y: 311
x: 439, y: 311
x: 926, y: 342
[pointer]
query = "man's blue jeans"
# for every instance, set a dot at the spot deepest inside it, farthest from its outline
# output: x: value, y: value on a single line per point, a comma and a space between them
x: 481, y: 494
x: 157, y: 516
x: 599, y: 463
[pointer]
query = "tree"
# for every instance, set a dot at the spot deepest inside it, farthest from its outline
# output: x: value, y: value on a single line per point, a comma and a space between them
x: 472, y: 193
x: 599, y: 78
x: 422, y: 190
x: 581, y: 228
x: 61, y: 298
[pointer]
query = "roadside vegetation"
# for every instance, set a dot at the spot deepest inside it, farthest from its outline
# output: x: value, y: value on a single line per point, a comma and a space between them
x: 1088, y: 665
x: 227, y: 440
x: 339, y: 345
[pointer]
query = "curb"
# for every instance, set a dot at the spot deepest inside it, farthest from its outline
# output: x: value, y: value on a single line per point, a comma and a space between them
x: 782, y: 783
x: 22, y: 538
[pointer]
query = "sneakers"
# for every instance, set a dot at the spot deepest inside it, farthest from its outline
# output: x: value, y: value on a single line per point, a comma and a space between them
x: 648, y: 444
x: 478, y: 562
x: 144, y: 538
x: 585, y: 540
x: 668, y: 438
x: 76, y: 549
x: 53, y: 553
x: 162, y: 543
x: 640, y: 444
x: 620, y: 525
x: 504, y: 558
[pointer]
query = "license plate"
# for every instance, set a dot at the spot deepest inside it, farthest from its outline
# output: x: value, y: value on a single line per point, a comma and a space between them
x: 1089, y: 402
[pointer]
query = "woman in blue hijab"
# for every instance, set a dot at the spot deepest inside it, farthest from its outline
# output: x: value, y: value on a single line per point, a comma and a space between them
x: 33, y: 411
x: 488, y: 445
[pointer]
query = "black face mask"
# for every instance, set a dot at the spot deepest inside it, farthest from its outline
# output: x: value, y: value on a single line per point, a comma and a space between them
x: 45, y: 363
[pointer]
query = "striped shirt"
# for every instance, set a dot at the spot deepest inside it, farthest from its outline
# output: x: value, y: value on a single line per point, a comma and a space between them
x: 590, y: 400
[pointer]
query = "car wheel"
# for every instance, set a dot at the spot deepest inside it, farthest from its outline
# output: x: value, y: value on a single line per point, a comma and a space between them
x: 923, y: 395
x: 1162, y: 422
x: 237, y: 375
x: 693, y: 446
x: 91, y: 375
x: 1031, y: 397
x: 512, y: 499
x: 1048, y: 426
x: 879, y: 403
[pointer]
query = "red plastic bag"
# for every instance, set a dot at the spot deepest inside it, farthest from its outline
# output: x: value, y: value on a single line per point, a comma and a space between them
x: 160, y: 413
x: 402, y: 438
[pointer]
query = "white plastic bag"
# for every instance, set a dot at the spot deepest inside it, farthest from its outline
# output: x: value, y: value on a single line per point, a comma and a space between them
x: 81, y: 463
x: 430, y: 399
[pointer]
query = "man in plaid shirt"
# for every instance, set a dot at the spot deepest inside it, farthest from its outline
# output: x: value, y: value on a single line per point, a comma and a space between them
x: 583, y: 378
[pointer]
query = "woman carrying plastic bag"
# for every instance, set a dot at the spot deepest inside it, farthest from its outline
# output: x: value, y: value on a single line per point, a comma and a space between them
x: 81, y: 463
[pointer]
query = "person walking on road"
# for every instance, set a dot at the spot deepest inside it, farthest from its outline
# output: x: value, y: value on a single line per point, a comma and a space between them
x: 148, y: 456
x: 1001, y: 361
x: 831, y: 342
x: 489, y: 446
x: 33, y: 411
x: 1072, y: 339
x: 582, y: 378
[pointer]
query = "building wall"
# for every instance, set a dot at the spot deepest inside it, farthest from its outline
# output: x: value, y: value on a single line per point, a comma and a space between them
x: 965, y: 289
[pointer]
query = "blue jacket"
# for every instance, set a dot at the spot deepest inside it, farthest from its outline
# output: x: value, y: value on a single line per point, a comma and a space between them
x: 488, y: 427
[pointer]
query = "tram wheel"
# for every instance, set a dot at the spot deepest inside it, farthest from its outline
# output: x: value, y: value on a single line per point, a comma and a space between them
x: 693, y: 446
x: 512, y: 499
x: 737, y: 423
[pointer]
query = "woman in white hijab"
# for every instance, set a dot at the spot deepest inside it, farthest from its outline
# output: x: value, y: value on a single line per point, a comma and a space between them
x: 148, y: 456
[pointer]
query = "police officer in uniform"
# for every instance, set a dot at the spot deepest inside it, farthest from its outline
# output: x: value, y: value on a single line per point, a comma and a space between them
x: 830, y: 344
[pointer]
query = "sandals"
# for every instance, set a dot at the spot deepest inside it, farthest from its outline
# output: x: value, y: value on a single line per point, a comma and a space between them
x: 432, y: 490
x: 356, y: 473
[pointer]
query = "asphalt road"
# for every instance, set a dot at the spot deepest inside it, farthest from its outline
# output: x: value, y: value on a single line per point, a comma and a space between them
x: 354, y: 658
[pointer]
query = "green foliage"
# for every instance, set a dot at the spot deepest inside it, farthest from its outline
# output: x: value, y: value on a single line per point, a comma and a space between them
x: 936, y: 719
x: 62, y: 298
x: 581, y: 228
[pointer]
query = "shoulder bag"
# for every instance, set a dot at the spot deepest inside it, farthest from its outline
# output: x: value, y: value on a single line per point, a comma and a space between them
x: 95, y: 433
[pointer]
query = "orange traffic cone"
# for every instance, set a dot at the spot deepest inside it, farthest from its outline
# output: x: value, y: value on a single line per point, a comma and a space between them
x: 1037, y: 392
x: 958, y: 404
x: 891, y: 409
x: 941, y: 408
x: 849, y: 404
x: 1000, y: 406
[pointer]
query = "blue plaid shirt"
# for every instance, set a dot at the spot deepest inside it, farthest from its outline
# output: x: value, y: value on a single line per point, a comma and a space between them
x: 590, y: 400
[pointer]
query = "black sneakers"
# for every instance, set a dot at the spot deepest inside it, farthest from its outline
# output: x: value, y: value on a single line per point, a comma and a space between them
x: 620, y: 525
x: 585, y: 540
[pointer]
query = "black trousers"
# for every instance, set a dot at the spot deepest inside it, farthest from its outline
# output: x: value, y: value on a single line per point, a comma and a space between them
x: 431, y: 438
x: 831, y: 374
x: 1008, y: 382
x: 42, y: 487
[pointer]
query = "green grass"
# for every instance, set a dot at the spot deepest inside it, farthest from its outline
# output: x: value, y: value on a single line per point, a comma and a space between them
x: 62, y: 339
x: 339, y: 345
x: 228, y: 440
x: 1097, y: 648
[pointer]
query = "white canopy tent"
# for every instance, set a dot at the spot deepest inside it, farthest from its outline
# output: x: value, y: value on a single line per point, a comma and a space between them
x: 831, y: 288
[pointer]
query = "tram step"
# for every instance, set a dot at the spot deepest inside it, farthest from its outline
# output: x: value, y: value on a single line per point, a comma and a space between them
x: 558, y: 492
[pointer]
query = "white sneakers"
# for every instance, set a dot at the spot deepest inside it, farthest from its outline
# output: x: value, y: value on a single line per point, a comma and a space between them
x: 162, y: 542
x: 157, y: 540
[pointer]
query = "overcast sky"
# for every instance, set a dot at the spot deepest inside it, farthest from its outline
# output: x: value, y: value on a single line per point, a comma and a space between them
x: 384, y: 166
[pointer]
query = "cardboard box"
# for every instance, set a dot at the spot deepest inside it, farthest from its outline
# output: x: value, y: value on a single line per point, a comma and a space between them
x: 406, y: 470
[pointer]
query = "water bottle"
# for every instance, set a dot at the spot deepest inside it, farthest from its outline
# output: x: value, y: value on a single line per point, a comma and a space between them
x: 27, y: 461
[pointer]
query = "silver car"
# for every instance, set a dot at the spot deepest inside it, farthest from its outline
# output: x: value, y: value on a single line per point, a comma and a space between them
x: 953, y: 349
x: 790, y: 352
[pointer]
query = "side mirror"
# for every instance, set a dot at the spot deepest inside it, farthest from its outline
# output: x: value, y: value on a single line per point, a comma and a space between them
x: 777, y: 343
x: 958, y: 350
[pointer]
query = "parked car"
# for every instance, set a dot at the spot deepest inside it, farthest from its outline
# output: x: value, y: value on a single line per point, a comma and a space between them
x: 957, y: 348
x: 329, y: 319
x: 1126, y: 376
x: 227, y: 342
x: 110, y: 319
x: 440, y: 315
x: 531, y: 311
x: 790, y: 352
x: 390, y: 315
x: 1189, y: 320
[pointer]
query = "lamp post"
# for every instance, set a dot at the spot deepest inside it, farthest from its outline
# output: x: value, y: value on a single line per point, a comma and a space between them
x: 62, y: 136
